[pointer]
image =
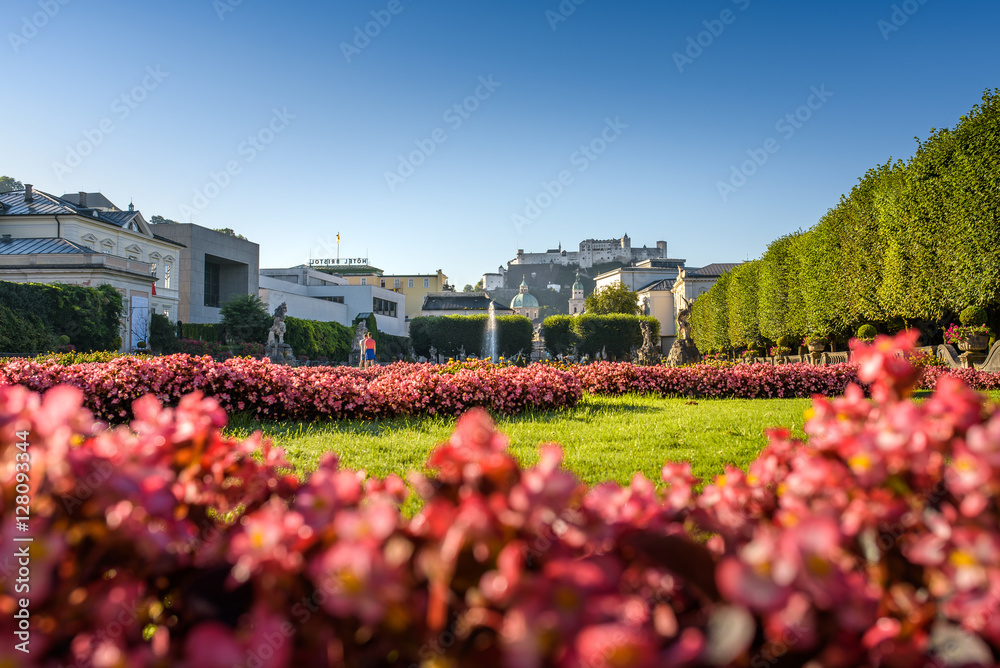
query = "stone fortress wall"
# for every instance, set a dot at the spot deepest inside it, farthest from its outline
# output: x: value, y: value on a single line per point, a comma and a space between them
x: 594, y: 251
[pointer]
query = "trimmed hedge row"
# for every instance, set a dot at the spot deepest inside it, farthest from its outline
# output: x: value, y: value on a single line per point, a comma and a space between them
x: 912, y: 245
x: 615, y: 334
x: 449, y: 334
x: 33, y: 316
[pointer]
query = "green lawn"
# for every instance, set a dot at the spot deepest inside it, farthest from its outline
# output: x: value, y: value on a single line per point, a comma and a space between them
x: 604, y: 438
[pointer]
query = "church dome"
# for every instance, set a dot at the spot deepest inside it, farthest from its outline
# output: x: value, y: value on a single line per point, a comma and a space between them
x: 523, y: 300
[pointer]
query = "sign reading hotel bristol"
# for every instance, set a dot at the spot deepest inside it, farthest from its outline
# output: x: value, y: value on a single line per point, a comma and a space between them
x: 338, y: 262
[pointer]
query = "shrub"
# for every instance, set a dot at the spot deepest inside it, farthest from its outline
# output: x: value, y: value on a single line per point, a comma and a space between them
x: 867, y: 332
x: 973, y: 316
x: 208, y: 332
x: 315, y: 339
x: 615, y: 334
x: 245, y: 319
x: 90, y: 317
x: 560, y: 338
x: 451, y: 333
x: 162, y: 334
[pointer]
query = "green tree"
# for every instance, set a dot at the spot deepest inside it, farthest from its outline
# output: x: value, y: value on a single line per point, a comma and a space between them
x: 614, y: 298
x: 227, y: 231
x: 8, y: 183
x: 468, y: 288
x: 156, y: 220
x: 245, y: 319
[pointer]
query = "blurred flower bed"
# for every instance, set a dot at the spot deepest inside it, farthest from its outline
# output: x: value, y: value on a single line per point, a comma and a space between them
x: 161, y: 543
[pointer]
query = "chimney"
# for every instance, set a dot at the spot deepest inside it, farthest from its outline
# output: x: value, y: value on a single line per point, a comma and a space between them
x: 83, y: 200
x: 5, y: 239
x: 29, y: 194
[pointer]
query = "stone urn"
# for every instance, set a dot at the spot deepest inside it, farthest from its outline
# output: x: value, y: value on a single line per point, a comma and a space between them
x: 974, y: 343
x: 816, y: 346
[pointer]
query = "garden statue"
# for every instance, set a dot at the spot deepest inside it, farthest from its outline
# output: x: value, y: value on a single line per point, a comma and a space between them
x: 276, y: 349
x: 684, y: 351
x: 648, y: 355
x: 277, y: 330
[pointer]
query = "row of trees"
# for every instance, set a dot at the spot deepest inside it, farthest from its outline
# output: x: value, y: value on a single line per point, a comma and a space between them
x: 913, y: 244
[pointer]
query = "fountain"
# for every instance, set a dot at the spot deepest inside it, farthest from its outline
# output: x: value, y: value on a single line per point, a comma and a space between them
x: 490, y: 338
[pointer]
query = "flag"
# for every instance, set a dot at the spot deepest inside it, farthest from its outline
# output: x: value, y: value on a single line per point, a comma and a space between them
x: 338, y: 237
x: 154, y: 289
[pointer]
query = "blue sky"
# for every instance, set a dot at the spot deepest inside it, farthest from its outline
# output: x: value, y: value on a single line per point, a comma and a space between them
x: 278, y: 120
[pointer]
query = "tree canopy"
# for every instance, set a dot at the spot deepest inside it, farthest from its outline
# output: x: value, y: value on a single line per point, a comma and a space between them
x: 9, y: 183
x: 614, y: 298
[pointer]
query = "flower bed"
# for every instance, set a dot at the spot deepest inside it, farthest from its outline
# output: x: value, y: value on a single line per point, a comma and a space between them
x: 743, y: 381
x: 271, y: 391
x: 876, y: 543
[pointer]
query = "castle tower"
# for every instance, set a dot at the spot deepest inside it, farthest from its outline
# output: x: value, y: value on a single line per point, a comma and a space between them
x: 577, y: 301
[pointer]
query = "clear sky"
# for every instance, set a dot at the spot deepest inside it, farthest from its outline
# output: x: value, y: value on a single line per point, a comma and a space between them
x: 285, y: 122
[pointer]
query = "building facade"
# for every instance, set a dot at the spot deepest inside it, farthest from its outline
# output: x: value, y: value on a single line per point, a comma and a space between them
x: 577, y: 300
x: 84, y: 239
x: 524, y: 303
x: 214, y: 268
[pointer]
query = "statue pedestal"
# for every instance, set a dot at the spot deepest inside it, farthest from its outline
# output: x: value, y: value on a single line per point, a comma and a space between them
x: 279, y: 353
x: 683, y: 352
x: 971, y: 358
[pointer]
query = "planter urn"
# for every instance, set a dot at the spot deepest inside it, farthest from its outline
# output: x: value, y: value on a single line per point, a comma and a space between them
x: 974, y: 343
x: 816, y: 347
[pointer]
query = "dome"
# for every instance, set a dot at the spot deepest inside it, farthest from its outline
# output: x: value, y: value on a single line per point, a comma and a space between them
x: 578, y: 285
x: 523, y: 300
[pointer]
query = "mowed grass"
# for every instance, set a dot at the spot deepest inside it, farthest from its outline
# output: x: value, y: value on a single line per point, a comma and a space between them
x: 603, y: 438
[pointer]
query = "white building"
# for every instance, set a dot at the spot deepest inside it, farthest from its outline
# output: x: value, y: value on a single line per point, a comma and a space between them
x: 84, y: 239
x: 577, y: 301
x: 317, y: 295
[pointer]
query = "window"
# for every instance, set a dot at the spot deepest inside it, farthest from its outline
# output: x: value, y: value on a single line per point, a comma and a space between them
x: 427, y: 282
x: 336, y: 300
x: 212, y: 273
x: 396, y: 284
x: 384, y: 307
x: 166, y: 312
x: 409, y: 282
x: 382, y: 282
x: 152, y: 268
x: 364, y: 281
x: 166, y: 277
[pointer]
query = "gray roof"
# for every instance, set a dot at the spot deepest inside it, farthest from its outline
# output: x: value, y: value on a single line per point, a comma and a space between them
x: 46, y: 245
x: 716, y: 269
x: 663, y: 285
x: 460, y: 301
x: 94, y: 201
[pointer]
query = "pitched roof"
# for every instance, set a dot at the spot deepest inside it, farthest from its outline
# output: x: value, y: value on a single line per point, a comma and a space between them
x: 663, y: 285
x: 43, y: 245
x: 716, y: 269
x: 94, y: 201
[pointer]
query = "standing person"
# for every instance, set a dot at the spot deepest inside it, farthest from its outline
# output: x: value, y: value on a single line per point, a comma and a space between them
x: 369, y: 350
x: 363, y: 357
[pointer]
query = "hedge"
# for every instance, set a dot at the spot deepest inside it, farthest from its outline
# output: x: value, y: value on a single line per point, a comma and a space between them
x: 912, y: 245
x: 316, y: 339
x: 35, y: 315
x: 615, y: 334
x: 208, y: 332
x: 449, y: 334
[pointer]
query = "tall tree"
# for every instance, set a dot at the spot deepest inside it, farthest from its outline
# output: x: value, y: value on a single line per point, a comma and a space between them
x: 9, y: 183
x: 614, y: 298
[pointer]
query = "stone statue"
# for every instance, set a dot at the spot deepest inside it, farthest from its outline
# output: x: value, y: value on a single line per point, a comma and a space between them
x: 684, y: 350
x: 684, y: 320
x: 648, y: 355
x: 359, y: 334
x: 277, y: 331
x: 276, y: 349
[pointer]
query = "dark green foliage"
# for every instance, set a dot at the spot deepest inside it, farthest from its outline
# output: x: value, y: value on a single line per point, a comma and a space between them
x: 867, y: 332
x: 315, y: 339
x: 22, y: 331
x: 209, y: 332
x: 710, y: 318
x: 559, y: 334
x: 973, y: 316
x: 245, y: 319
x: 912, y: 244
x: 614, y: 298
x: 450, y: 333
x: 90, y: 317
x: 162, y: 334
x: 8, y: 183
x: 615, y: 334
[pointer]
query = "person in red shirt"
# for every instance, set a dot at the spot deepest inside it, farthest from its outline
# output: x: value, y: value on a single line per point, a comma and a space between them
x: 368, y: 345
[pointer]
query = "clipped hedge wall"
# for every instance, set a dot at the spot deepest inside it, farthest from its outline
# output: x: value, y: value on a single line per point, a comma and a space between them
x: 35, y: 316
x: 316, y: 339
x: 210, y: 333
x: 559, y: 335
x: 615, y: 334
x: 448, y: 334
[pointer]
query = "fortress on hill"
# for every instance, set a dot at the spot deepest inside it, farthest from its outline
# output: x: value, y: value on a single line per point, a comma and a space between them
x: 594, y: 251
